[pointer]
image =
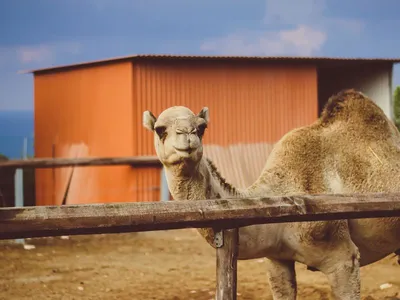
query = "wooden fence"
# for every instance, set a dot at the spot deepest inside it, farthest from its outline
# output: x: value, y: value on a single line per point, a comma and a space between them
x: 225, y: 216
x: 40, y: 163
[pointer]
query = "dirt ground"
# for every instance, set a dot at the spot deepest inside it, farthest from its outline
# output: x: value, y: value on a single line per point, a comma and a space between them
x: 167, y: 265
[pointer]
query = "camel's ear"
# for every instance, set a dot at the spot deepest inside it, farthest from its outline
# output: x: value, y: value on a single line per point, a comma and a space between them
x: 204, y: 114
x: 149, y: 120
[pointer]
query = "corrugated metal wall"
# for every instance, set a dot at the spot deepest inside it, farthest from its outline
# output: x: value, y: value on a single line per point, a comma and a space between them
x: 249, y: 104
x: 97, y: 111
x: 84, y: 112
x: 241, y: 164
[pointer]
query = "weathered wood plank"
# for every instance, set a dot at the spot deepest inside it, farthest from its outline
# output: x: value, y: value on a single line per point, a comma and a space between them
x: 134, y: 161
x: 22, y: 222
x: 227, y: 255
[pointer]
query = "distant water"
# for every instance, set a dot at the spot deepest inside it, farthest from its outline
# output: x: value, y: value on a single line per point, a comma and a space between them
x: 14, y: 127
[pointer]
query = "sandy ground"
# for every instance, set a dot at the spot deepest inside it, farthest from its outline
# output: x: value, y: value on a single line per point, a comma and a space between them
x: 167, y: 265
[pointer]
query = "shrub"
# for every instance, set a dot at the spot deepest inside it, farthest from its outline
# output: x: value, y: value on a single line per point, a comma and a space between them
x: 396, y: 107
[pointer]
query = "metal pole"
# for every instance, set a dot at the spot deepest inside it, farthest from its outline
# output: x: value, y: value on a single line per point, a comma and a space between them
x: 164, y: 191
x: 19, y: 183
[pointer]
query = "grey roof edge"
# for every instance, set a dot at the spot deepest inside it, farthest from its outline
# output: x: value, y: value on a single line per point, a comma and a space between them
x: 213, y: 57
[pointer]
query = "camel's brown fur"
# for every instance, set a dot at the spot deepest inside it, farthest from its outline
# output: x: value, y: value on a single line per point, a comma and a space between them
x: 352, y: 148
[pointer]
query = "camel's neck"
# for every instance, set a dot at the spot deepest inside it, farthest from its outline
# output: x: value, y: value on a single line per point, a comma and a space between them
x: 203, y: 182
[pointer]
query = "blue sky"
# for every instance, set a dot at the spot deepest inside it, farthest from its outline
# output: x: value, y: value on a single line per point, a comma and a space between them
x: 42, y: 33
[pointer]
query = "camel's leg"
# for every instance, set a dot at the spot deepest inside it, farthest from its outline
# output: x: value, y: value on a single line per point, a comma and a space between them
x: 282, y: 279
x: 343, y: 271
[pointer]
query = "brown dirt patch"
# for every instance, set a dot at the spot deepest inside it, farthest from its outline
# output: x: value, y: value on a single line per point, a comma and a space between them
x: 164, y: 265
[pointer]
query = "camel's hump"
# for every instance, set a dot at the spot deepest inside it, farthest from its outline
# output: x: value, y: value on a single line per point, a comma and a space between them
x: 352, y: 105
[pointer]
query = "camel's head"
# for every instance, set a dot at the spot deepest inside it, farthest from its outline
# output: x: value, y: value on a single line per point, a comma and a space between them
x: 178, y: 134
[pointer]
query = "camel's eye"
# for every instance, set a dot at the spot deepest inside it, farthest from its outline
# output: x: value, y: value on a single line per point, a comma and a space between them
x: 161, y: 131
x: 201, y: 129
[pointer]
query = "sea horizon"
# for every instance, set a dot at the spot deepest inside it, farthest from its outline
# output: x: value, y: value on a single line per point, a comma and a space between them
x: 15, y: 125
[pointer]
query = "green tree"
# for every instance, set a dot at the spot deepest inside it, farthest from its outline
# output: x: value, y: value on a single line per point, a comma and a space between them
x: 396, y: 107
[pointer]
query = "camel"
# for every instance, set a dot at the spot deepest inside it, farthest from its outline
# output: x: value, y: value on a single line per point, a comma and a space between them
x: 351, y: 148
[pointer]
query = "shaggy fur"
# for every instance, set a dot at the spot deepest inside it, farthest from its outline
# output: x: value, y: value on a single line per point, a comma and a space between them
x: 229, y: 188
x: 352, y: 148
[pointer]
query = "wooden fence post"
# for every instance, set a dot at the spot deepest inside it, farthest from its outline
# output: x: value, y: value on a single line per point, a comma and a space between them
x: 226, y: 242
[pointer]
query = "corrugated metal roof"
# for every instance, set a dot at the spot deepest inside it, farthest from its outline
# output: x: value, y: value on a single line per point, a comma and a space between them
x: 318, y: 60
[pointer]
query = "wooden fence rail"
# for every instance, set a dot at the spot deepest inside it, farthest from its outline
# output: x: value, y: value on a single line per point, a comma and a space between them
x: 134, y: 161
x: 224, y: 215
x: 42, y: 163
x: 38, y: 221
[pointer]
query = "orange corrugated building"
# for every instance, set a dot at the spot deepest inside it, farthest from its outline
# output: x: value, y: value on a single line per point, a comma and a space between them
x: 95, y: 109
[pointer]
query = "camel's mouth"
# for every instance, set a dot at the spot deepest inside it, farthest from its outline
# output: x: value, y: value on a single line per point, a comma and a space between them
x: 185, y: 152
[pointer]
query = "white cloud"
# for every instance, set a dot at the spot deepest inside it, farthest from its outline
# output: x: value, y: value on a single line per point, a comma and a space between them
x: 41, y: 54
x: 304, y: 39
x: 45, y: 53
x: 309, y: 12
x: 36, y: 54
x: 293, y: 12
x: 301, y: 41
x: 304, y: 30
